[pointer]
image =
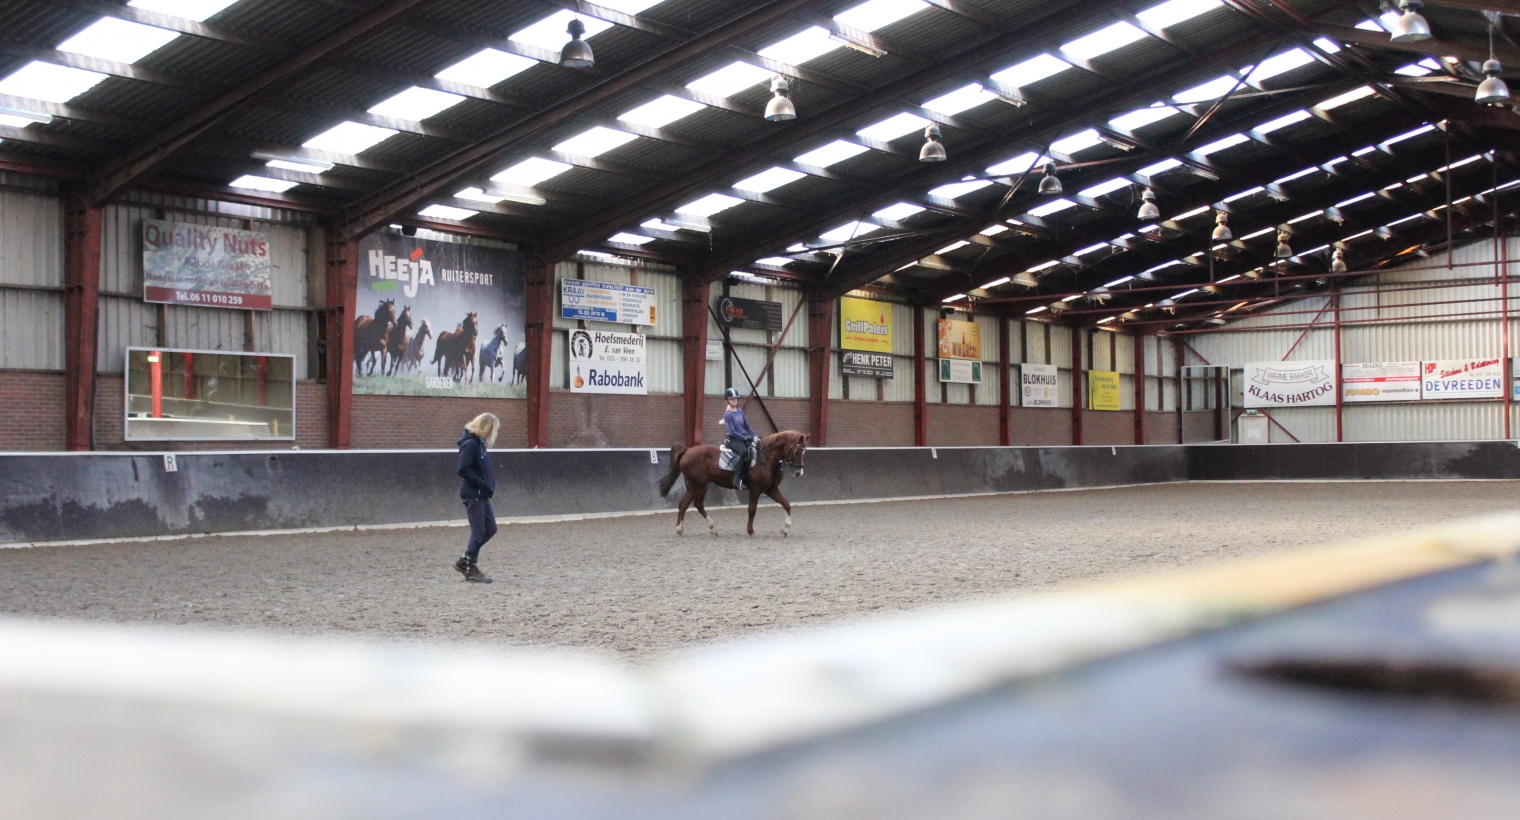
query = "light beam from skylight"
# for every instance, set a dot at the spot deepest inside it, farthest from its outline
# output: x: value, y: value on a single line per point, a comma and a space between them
x: 49, y: 82
x: 595, y: 142
x: 1176, y: 11
x: 808, y: 44
x: 834, y: 152
x: 1102, y: 41
x: 660, y: 112
x: 730, y: 80
x: 1031, y: 70
x: 768, y: 180
x: 121, y: 41
x: 416, y: 103
x: 349, y: 138
x: 486, y: 68
x: 893, y: 127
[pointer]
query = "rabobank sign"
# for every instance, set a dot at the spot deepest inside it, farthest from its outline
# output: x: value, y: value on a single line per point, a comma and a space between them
x: 602, y: 362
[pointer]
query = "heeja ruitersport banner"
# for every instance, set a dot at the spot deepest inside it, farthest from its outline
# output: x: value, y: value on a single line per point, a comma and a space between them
x: 1380, y: 381
x: 1290, y: 384
x: 1463, y: 379
x: 206, y: 266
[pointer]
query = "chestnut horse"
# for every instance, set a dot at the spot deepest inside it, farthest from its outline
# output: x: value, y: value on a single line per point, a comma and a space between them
x: 699, y: 466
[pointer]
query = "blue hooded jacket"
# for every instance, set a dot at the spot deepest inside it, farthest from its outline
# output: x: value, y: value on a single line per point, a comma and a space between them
x: 475, y: 468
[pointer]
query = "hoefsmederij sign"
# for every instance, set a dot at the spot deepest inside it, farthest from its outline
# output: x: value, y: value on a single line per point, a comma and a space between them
x: 607, y: 363
x: 606, y: 302
x: 205, y: 265
x: 1463, y: 379
x: 1380, y: 381
x: 1290, y: 384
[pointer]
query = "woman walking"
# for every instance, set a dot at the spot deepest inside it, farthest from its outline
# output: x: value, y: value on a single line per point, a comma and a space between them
x: 477, y: 486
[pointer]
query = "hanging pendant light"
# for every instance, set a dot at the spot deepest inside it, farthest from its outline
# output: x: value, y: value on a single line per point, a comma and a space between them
x: 1221, y: 228
x: 1283, y: 251
x: 576, y: 53
x: 1410, y: 27
x: 1492, y: 91
x: 780, y: 107
x: 1049, y: 184
x: 1338, y: 261
x: 1148, y: 210
x: 933, y: 150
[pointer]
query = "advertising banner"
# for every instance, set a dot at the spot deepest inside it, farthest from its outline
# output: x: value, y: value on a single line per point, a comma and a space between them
x: 1463, y: 379
x: 1102, y: 390
x: 749, y: 314
x: 606, y: 302
x: 714, y: 350
x: 865, y: 325
x: 1514, y: 378
x: 607, y: 362
x: 960, y: 371
x: 1290, y: 384
x: 206, y: 266
x: 874, y: 365
x: 439, y: 319
x: 1038, y: 385
x: 1380, y: 381
x: 960, y: 340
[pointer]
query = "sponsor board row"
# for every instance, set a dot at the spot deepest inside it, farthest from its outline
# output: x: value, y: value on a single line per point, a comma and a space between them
x: 1313, y: 383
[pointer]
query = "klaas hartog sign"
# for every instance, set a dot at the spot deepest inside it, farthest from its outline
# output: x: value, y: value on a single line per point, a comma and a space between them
x: 1290, y: 384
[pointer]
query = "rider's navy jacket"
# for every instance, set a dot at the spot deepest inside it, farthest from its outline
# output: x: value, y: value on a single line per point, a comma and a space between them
x: 475, y: 468
x: 737, y: 425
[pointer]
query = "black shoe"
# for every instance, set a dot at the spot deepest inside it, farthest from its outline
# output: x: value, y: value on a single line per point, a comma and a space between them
x: 463, y: 565
x: 474, y: 575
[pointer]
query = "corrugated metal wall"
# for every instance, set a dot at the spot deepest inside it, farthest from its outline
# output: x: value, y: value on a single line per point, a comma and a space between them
x: 664, y: 362
x: 31, y: 280
x: 788, y: 374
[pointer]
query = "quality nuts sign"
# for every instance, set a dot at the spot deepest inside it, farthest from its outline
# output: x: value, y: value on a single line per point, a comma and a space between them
x: 1290, y: 384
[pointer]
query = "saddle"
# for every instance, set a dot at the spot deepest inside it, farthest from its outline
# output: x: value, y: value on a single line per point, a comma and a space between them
x: 726, y: 457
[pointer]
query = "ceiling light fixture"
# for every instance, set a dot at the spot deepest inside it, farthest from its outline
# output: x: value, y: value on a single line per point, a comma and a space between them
x: 933, y: 150
x: 577, y: 52
x: 1492, y: 91
x: 1283, y: 251
x: 1148, y: 210
x: 1025, y: 279
x: 1410, y: 27
x: 780, y: 107
x: 1049, y: 184
x: 1338, y: 261
x: 1222, y: 228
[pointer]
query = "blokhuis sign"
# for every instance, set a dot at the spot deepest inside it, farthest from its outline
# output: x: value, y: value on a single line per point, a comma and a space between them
x: 1038, y: 385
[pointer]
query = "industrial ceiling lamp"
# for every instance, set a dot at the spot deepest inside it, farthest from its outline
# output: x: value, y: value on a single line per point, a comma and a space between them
x: 933, y: 150
x: 1283, y: 251
x: 1492, y: 91
x: 780, y: 108
x: 576, y: 53
x: 1221, y: 228
x: 1049, y: 184
x: 1338, y: 261
x: 1025, y: 279
x: 1148, y: 210
x: 1410, y: 27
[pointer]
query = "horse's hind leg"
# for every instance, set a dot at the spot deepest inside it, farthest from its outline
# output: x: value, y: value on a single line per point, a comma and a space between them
x: 712, y: 526
x: 775, y: 493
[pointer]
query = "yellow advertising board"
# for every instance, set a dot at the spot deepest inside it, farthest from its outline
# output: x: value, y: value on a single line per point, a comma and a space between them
x: 865, y: 325
x: 960, y: 340
x: 1102, y: 390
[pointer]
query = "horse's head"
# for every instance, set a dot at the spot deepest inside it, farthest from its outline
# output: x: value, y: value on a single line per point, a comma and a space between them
x: 386, y: 311
x: 469, y: 324
x: 501, y: 333
x: 406, y: 317
x: 794, y: 452
x: 424, y: 330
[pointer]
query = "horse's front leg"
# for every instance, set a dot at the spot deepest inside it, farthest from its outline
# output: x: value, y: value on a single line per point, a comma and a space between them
x: 712, y: 526
x: 754, y: 501
x: 775, y: 493
x: 691, y: 493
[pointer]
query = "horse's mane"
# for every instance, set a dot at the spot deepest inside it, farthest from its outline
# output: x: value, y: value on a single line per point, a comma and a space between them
x: 778, y: 442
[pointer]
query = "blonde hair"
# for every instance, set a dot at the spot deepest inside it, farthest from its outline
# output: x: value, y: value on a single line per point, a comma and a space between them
x: 485, y: 425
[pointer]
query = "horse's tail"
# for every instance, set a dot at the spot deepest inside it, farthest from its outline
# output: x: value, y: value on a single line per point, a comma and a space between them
x: 675, y: 470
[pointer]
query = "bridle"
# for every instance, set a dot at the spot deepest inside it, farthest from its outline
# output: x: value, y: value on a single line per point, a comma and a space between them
x: 789, y: 453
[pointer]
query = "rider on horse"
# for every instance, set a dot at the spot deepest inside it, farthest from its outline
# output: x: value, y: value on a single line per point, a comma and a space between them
x: 739, y: 435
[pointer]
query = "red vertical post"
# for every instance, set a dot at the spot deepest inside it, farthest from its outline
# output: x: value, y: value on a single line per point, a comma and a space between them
x: 540, y: 329
x: 83, y: 229
x: 694, y: 294
x: 820, y: 352
x: 920, y: 388
x: 342, y: 309
x: 1078, y: 391
x: 156, y: 381
x: 1139, y: 388
x: 1005, y: 388
x: 1509, y: 368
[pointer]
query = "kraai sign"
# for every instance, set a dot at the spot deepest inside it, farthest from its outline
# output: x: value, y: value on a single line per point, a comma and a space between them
x: 1290, y: 384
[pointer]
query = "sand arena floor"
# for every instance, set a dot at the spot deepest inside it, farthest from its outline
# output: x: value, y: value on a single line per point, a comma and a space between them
x: 633, y: 586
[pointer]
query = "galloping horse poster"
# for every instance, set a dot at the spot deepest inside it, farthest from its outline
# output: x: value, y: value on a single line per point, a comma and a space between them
x: 439, y: 319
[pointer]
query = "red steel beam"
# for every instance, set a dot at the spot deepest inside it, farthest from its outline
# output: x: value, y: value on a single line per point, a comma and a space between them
x: 820, y: 352
x: 1077, y: 377
x: 1139, y: 389
x: 920, y: 388
x: 694, y: 377
x: 342, y: 310
x: 81, y: 299
x: 540, y: 332
x: 1005, y: 389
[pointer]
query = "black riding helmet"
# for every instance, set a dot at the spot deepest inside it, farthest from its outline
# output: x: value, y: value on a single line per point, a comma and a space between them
x: 730, y: 393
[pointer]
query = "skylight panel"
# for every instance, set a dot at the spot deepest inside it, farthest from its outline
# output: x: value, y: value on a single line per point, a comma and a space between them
x: 849, y: 231
x: 1283, y: 122
x: 120, y: 41
x: 1424, y: 129
x: 730, y: 80
x: 1195, y: 212
x: 1160, y: 167
x: 257, y: 183
x: 776, y: 261
x: 1018, y: 165
x: 1051, y: 207
x: 959, y: 189
x: 1173, y: 12
x: 808, y: 44
x: 1118, y: 282
x: 961, y: 99
x: 531, y: 172
x: 993, y: 230
x: 1281, y: 64
x: 629, y: 6
x: 709, y: 205
x: 1092, y: 249
x: 1219, y: 145
x: 348, y: 138
x: 447, y: 212
x: 1407, y: 219
x: 1106, y: 187
x: 549, y: 33
x: 486, y: 68
x: 1350, y: 96
x: 834, y: 152
x: 629, y: 239
x: 197, y: 10
x: 953, y: 246
x: 1291, y: 177
x: 416, y: 104
x: 1355, y: 199
x: 1143, y: 117
x: 1031, y: 70
x: 1211, y: 90
x: 1297, y: 219
x: 595, y: 142
x: 893, y: 127
x: 477, y: 195
x: 661, y: 112
x: 1327, y: 45
x: 1461, y: 162
x: 1412, y: 70
x: 48, y: 82
x: 769, y: 180
x: 1362, y: 152
x: 1243, y: 194
x: 901, y: 210
x: 875, y: 14
x: 1102, y: 41
x: 1076, y: 142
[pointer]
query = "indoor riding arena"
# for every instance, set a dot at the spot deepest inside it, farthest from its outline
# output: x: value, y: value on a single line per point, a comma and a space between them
x: 914, y: 409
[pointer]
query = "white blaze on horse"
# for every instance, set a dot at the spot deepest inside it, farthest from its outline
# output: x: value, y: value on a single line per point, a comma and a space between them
x: 699, y: 465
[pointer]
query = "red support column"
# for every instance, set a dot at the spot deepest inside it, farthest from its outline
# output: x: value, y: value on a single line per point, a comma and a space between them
x: 81, y: 307
x: 1005, y: 388
x: 540, y: 326
x: 1078, y: 387
x: 342, y: 298
x: 820, y: 351
x: 920, y: 388
x: 694, y: 295
x: 1139, y: 389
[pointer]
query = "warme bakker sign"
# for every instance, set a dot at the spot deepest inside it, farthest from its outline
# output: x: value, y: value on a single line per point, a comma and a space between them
x: 1290, y: 384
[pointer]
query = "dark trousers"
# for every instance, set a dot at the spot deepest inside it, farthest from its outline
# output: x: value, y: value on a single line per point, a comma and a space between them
x: 482, y: 525
x: 741, y: 456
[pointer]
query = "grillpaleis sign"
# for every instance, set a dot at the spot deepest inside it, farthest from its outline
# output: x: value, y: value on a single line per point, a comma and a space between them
x: 1290, y: 384
x: 206, y: 266
x: 607, y: 363
x: 1380, y: 381
x: 1463, y: 379
x: 865, y: 325
x: 1039, y: 385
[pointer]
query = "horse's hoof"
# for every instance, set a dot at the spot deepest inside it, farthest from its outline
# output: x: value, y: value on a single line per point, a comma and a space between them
x: 681, y: 530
